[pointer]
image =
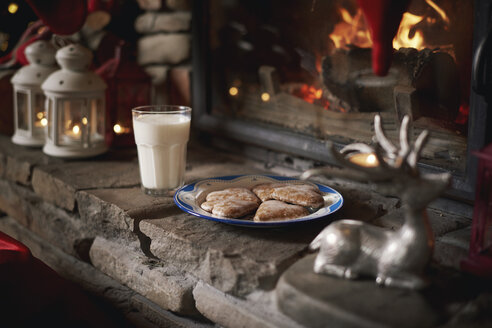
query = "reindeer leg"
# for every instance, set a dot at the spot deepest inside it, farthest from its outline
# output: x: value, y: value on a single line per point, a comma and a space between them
x: 321, y: 266
x: 402, y: 280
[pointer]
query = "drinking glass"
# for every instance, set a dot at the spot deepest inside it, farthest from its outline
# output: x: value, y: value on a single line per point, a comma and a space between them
x: 161, y: 135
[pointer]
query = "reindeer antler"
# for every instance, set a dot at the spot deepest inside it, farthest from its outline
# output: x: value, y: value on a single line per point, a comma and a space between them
x: 381, y: 139
x: 392, y: 160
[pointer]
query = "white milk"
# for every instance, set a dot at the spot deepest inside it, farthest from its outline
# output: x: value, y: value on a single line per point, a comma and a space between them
x: 161, y: 143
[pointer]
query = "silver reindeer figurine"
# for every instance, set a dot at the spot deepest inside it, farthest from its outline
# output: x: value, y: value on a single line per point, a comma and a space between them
x: 350, y: 248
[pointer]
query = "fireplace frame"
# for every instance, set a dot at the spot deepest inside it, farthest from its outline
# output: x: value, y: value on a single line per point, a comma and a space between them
x: 284, y: 141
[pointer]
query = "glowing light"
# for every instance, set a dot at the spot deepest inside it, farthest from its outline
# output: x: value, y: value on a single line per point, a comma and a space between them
x: 403, y: 39
x: 117, y: 128
x: 44, y: 122
x: 351, y: 30
x: 76, y: 129
x: 233, y: 91
x: 84, y: 120
x: 265, y: 96
x: 439, y: 10
x: 12, y: 8
x: 40, y: 115
x: 371, y: 160
x: 312, y: 95
x: 364, y: 159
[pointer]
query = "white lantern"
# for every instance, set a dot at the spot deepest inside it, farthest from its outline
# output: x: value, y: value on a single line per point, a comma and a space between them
x: 75, y: 105
x: 29, y: 100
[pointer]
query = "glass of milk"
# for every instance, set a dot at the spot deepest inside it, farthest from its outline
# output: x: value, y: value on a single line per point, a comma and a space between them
x: 161, y: 135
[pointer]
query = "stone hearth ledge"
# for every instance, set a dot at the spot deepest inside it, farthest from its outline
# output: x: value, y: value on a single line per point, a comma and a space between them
x: 151, y: 246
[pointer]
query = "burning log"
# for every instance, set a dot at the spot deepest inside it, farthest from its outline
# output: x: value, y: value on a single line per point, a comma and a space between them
x: 429, y: 80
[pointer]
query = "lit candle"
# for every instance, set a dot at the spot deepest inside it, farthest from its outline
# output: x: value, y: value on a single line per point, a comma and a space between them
x: 41, y: 121
x: 364, y: 159
x: 265, y: 96
x: 233, y: 91
x: 118, y: 129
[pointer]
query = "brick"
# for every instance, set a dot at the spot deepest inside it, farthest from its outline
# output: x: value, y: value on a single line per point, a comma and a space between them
x: 178, y: 4
x: 164, y: 49
x: 18, y: 161
x: 232, y: 259
x: 229, y: 311
x: 158, y: 73
x: 153, y: 22
x: 53, y: 224
x: 58, y: 183
x: 150, y: 4
x: 165, y: 286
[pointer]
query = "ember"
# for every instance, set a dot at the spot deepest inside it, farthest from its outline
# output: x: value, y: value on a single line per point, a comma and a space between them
x: 312, y: 95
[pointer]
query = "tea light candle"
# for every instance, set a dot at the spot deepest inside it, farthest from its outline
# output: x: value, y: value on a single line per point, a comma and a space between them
x: 119, y: 129
x: 364, y: 159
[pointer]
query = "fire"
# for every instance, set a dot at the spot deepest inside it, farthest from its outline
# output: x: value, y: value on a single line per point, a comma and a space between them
x: 312, y: 95
x: 353, y: 30
x: 403, y: 39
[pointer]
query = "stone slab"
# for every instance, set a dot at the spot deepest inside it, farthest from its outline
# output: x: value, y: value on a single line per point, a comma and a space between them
x: 163, y: 318
x: 229, y: 311
x: 116, y: 205
x: 53, y: 224
x: 167, y: 287
x: 452, y: 248
x: 321, y: 301
x: 153, y: 22
x: 164, y: 49
x: 58, y: 183
x: 233, y: 259
x: 18, y: 161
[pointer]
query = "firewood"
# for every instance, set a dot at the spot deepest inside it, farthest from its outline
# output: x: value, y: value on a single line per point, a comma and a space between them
x: 347, y: 76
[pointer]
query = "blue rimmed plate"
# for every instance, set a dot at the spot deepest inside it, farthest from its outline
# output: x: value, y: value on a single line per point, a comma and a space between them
x: 189, y: 198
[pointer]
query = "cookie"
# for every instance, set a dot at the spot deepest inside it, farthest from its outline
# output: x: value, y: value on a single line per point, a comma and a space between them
x: 304, y: 195
x: 275, y: 210
x: 232, y: 193
x: 231, y: 208
x: 299, y: 194
x: 231, y: 202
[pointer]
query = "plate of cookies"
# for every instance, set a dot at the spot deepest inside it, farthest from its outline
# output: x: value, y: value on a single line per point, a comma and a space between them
x: 258, y: 200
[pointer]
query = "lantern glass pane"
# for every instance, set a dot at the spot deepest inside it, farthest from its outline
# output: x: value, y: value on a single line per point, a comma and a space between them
x: 22, y: 110
x: 73, y: 122
x: 97, y: 114
x: 51, y: 118
x: 40, y: 120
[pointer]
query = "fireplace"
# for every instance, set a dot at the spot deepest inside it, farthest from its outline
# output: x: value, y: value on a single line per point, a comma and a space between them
x: 292, y: 75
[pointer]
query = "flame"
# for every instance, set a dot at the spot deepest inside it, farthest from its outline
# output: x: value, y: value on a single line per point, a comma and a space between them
x: 76, y: 129
x: 439, y: 10
x: 403, y: 39
x: 353, y: 30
